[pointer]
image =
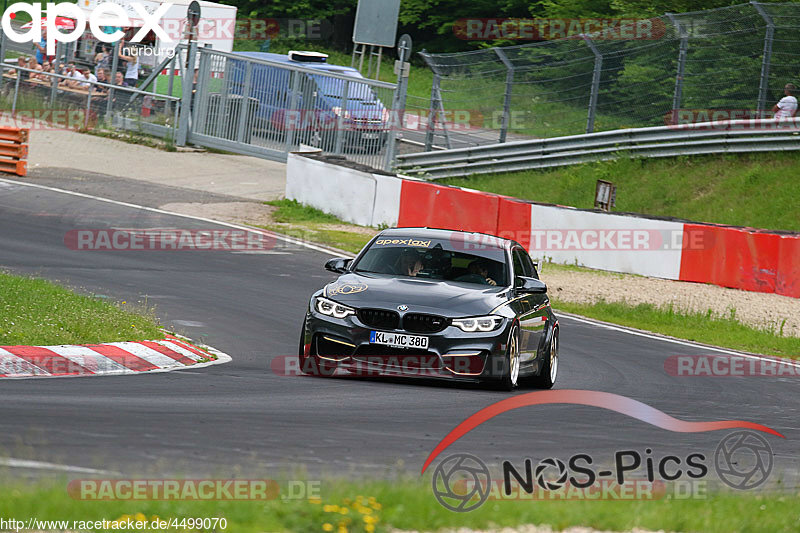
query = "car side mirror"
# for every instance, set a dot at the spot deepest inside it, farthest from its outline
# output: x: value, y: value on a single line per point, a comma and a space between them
x: 528, y: 285
x: 338, y: 264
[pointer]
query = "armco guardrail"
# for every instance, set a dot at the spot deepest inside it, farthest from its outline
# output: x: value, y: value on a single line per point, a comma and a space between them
x: 663, y: 141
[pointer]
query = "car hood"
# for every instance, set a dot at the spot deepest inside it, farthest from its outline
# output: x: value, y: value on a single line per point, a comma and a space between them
x: 446, y: 298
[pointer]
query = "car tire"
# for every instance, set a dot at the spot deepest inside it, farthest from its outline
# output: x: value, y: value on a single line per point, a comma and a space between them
x: 510, y: 364
x: 310, y: 365
x: 549, y: 368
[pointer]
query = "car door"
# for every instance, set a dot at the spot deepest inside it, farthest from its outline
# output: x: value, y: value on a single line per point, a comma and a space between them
x: 531, y: 308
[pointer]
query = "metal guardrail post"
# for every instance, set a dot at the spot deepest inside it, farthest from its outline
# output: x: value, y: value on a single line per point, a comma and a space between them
x: 507, y: 97
x: 244, y: 106
x: 763, y: 85
x: 677, y: 96
x: 339, y: 135
x: 112, y: 76
x: 88, y: 107
x: 200, y: 105
x: 598, y: 66
x: 398, y: 102
x: 186, y: 99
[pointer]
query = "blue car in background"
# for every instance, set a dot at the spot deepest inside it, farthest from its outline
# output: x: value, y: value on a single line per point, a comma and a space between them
x: 318, y: 100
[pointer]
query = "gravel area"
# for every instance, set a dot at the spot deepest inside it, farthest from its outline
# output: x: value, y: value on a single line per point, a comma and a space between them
x: 758, y: 309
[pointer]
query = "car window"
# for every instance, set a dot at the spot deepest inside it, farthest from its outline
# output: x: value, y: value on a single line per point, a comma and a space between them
x: 439, y: 259
x: 523, y: 266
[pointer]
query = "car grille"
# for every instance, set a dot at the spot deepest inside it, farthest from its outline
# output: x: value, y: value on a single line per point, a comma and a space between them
x: 379, y: 318
x: 421, y: 323
x: 397, y: 357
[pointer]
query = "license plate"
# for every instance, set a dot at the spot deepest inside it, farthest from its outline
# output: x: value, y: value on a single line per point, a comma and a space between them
x: 399, y: 340
x: 371, y: 135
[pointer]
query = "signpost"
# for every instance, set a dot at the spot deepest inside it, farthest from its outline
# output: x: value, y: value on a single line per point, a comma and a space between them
x: 375, y: 27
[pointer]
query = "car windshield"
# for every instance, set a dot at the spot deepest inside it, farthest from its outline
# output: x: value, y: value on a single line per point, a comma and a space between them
x: 452, y: 259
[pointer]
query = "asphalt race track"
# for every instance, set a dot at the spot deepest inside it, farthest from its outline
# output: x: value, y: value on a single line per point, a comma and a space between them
x: 242, y: 417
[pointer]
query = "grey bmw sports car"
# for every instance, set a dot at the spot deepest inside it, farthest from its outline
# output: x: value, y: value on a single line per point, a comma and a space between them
x: 434, y: 303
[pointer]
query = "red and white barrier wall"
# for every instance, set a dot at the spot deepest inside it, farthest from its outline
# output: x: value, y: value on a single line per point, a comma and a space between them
x: 741, y: 258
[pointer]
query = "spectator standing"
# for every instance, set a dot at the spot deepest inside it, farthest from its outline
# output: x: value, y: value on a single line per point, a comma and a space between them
x: 40, y: 48
x: 103, y: 59
x: 132, y: 67
x: 787, y: 106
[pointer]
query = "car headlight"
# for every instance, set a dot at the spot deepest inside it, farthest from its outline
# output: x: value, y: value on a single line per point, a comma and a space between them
x: 478, y: 323
x: 331, y: 308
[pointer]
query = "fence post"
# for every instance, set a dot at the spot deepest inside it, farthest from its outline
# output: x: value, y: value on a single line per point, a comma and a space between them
x: 112, y: 77
x: 598, y: 66
x: 432, y: 112
x: 186, y: 99
x: 244, y: 106
x: 507, y: 98
x: 339, y: 134
x: 398, y: 102
x: 763, y: 85
x: 677, y: 97
x: 289, y: 122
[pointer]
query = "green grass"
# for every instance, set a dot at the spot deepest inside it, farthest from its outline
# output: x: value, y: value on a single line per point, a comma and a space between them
x: 311, y: 224
x: 409, y: 504
x: 706, y: 328
x: 759, y: 190
x: 38, y: 312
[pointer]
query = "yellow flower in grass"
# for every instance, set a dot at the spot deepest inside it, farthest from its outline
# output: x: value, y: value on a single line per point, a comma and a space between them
x: 344, y: 510
x: 327, y: 527
x: 330, y: 508
x: 314, y: 501
x: 342, y: 529
x: 369, y: 528
x: 140, y: 517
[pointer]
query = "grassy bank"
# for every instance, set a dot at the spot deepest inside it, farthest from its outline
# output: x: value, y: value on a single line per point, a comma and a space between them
x: 759, y: 190
x: 705, y: 328
x: 311, y: 224
x: 38, y: 312
x: 378, y: 506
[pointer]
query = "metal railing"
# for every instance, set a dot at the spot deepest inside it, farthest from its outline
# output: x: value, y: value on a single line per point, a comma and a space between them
x: 731, y: 58
x: 35, y: 95
x: 266, y: 108
x: 756, y: 135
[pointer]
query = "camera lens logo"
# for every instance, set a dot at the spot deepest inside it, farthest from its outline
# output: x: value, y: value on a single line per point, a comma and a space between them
x: 743, y: 460
x: 461, y: 482
x: 548, y: 466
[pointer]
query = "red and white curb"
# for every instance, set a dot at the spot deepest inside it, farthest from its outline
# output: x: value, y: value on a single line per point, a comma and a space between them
x: 113, y: 358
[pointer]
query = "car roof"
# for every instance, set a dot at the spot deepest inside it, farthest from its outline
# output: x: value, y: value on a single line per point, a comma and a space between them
x: 439, y: 233
x: 283, y: 58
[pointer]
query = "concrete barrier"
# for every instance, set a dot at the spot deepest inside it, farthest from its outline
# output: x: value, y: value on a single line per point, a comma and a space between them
x: 740, y: 258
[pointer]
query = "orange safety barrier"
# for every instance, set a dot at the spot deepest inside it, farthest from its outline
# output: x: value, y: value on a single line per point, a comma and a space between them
x: 13, y: 150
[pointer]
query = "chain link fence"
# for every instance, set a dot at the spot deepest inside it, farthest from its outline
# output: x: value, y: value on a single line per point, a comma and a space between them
x: 708, y: 65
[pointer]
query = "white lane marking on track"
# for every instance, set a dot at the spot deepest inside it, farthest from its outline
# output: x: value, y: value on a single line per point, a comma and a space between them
x: 180, y: 349
x: 39, y: 465
x: 645, y: 334
x: 89, y: 359
x: 278, y: 236
x: 148, y: 354
x: 189, y: 323
x: 12, y: 365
